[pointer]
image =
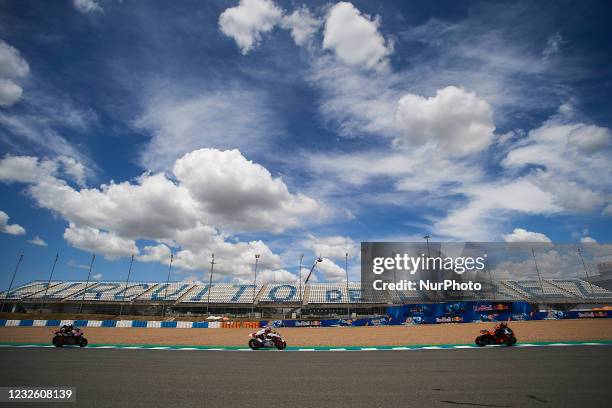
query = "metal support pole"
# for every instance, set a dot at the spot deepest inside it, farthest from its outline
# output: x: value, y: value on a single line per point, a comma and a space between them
x: 167, y: 284
x: 11, y: 284
x: 49, y: 281
x: 212, y: 267
x: 427, y: 237
x: 348, y: 293
x: 300, y: 294
x: 127, y: 281
x: 538, y: 272
x: 493, y: 286
x: 93, y: 258
x: 586, y: 272
x: 254, y: 287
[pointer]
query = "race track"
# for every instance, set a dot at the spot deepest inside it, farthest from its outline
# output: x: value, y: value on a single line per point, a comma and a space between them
x: 494, y: 377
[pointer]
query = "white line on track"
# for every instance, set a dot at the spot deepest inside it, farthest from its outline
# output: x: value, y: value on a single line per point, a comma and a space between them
x: 398, y: 348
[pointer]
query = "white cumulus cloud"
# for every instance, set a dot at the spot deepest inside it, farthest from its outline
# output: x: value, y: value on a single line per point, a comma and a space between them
x: 213, y: 194
x: 38, y: 241
x: 333, y: 247
x: 303, y: 25
x: 330, y: 271
x: 354, y: 37
x: 12, y: 66
x: 275, y: 275
x: 522, y: 235
x: 240, y: 193
x: 10, y: 92
x: 87, y: 6
x: 12, y: 229
x: 96, y: 241
x: 457, y: 121
x: 246, y: 22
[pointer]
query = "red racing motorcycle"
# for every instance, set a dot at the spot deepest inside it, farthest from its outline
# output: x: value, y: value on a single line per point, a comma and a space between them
x: 489, y: 337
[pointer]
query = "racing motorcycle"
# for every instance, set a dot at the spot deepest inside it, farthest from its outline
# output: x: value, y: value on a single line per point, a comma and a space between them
x: 272, y: 340
x: 488, y: 337
x: 69, y: 339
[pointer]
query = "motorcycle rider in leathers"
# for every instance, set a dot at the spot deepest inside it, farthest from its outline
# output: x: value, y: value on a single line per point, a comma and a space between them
x: 262, y: 334
x: 500, y: 328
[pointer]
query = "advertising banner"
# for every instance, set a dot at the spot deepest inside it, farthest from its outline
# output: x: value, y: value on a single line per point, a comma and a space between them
x: 458, y: 312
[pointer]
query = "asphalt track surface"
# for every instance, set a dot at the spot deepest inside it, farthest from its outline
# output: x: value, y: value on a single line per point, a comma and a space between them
x: 576, y: 376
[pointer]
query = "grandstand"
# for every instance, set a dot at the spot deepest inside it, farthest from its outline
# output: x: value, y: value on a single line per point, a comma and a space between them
x: 192, y: 298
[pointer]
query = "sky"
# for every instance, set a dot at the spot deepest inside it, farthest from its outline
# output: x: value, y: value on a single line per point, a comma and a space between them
x: 282, y: 128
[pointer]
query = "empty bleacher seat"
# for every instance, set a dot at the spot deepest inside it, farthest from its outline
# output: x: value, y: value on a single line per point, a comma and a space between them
x: 62, y: 290
x: 538, y: 290
x: 170, y: 291
x: 24, y: 291
x: 222, y: 293
x: 320, y: 293
x: 282, y: 292
x: 581, y: 289
x: 111, y: 291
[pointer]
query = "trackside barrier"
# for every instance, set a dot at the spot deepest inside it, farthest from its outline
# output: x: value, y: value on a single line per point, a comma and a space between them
x: 457, y: 312
x: 449, y: 312
x: 152, y: 324
x: 237, y: 325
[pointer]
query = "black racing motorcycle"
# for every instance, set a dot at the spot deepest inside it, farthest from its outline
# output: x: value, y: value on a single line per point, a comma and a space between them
x: 76, y: 338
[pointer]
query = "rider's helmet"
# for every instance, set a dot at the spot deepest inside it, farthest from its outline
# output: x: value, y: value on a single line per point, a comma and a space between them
x: 268, y: 329
x: 503, y: 325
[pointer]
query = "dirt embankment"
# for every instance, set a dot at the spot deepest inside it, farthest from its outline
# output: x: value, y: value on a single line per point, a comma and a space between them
x: 563, y: 330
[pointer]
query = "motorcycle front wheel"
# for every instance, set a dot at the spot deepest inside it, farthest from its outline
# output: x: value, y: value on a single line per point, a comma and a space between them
x: 511, y: 341
x: 253, y: 344
x: 281, y: 345
x: 83, y: 342
x: 57, y: 341
x: 481, y: 341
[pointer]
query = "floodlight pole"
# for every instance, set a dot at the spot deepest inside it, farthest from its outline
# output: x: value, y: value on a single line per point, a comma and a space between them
x: 348, y: 293
x: 491, y: 278
x: 127, y: 280
x: 300, y: 295
x: 538, y: 272
x: 254, y: 286
x: 427, y: 237
x: 11, y: 284
x: 212, y: 267
x: 49, y: 281
x: 93, y: 258
x: 585, y: 269
x: 167, y: 284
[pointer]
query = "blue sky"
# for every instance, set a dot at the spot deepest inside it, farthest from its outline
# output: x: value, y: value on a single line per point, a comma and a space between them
x: 280, y: 128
